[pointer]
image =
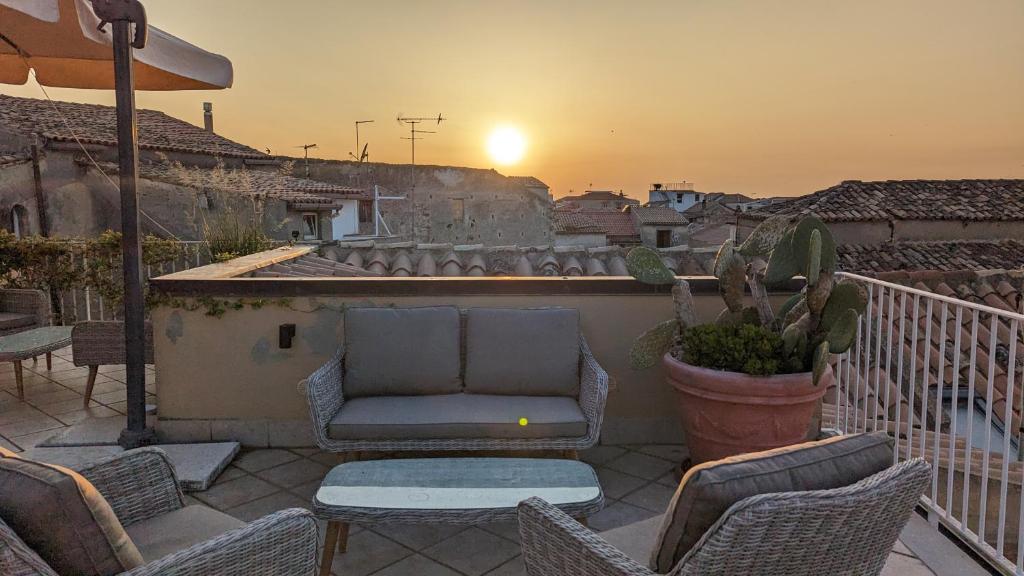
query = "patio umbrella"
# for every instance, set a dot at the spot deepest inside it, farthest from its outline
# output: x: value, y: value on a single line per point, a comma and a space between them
x: 66, y: 43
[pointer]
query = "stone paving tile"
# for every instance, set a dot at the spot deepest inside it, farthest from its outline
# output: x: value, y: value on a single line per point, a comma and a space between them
x: 473, y: 551
x: 642, y: 465
x: 236, y: 492
x: 900, y: 565
x: 514, y: 567
x: 306, y: 491
x: 672, y: 452
x: 654, y: 497
x: 669, y: 479
x: 110, y: 397
x: 416, y: 565
x: 368, y: 552
x: 418, y: 536
x: 74, y: 417
x: 268, y: 504
x: 29, y: 441
x: 617, y: 484
x: 229, y: 473
x: 507, y: 530
x: 31, y: 425
x: 294, y: 473
x: 601, y: 454
x: 256, y: 460
x: 617, y: 514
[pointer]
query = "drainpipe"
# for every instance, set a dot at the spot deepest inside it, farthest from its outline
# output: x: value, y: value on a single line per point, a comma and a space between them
x: 208, y: 116
x: 37, y: 177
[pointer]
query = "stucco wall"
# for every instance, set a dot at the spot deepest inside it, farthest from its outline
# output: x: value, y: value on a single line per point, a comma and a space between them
x: 586, y: 240
x: 226, y: 378
x: 17, y: 189
x: 450, y: 204
x: 649, y: 235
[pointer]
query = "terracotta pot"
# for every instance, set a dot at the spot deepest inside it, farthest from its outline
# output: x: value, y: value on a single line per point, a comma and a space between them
x: 728, y: 413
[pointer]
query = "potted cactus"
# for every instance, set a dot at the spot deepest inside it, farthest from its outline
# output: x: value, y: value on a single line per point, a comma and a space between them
x: 753, y: 380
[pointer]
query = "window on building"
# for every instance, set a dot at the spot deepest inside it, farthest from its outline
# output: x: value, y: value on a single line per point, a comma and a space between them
x: 19, y: 221
x: 365, y: 211
x: 458, y: 210
x: 310, y: 226
x: 679, y: 197
x: 664, y: 239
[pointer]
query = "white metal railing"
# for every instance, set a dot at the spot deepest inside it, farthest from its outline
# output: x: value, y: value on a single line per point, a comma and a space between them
x: 943, y: 375
x: 85, y: 304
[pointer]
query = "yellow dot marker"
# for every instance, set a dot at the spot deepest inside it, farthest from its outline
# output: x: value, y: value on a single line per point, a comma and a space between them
x: 523, y: 421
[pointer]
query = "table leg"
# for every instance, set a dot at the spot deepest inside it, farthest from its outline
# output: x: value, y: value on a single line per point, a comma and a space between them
x: 19, y: 379
x: 330, y: 543
x: 49, y: 362
x: 343, y: 538
x: 90, y: 382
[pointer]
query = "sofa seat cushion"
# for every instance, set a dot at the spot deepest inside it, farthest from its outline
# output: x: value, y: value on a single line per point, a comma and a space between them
x: 458, y: 416
x: 12, y: 320
x: 525, y: 352
x: 402, y: 351
x: 635, y: 540
x: 172, y: 532
x: 708, y: 490
x: 63, y: 518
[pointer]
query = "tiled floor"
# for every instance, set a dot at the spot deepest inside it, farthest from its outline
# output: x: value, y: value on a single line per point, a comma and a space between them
x: 53, y: 399
x: 637, y: 482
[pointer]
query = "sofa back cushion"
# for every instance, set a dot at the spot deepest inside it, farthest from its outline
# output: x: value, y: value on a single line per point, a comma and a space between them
x: 708, y: 490
x: 402, y: 351
x: 526, y: 352
x: 63, y: 518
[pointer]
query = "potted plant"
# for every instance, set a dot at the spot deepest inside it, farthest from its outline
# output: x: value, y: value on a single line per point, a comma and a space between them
x: 754, y: 378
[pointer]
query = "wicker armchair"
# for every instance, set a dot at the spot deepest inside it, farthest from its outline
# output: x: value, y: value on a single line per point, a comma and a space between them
x: 101, y: 343
x: 140, y: 485
x: 22, y: 310
x: 844, y: 531
x: 325, y: 394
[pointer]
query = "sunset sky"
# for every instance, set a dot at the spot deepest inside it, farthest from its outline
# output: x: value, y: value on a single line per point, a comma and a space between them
x: 763, y: 98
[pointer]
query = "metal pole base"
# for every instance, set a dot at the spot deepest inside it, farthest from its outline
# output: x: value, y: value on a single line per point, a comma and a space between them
x: 131, y: 439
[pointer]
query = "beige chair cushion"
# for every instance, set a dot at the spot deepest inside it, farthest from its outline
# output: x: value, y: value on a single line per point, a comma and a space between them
x: 523, y: 352
x: 63, y: 518
x: 402, y: 351
x: 12, y: 320
x: 175, y: 531
x: 635, y: 540
x: 708, y: 490
x: 458, y: 416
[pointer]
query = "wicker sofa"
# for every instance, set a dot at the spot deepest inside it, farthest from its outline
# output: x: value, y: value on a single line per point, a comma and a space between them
x: 22, y: 310
x: 171, y: 537
x: 440, y: 378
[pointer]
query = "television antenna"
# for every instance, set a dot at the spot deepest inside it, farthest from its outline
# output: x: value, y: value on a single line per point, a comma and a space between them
x: 413, y: 122
x: 305, y: 152
x: 363, y: 156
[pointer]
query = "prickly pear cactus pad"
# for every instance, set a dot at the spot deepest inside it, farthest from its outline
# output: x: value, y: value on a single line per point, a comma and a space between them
x: 652, y: 345
x: 646, y: 266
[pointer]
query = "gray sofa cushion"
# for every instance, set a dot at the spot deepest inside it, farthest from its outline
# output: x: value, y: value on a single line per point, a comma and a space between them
x: 523, y: 352
x: 708, y: 490
x: 402, y: 351
x: 172, y: 532
x: 457, y: 416
x: 63, y: 518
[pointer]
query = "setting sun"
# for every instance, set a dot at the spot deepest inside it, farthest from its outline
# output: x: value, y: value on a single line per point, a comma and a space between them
x: 506, y: 145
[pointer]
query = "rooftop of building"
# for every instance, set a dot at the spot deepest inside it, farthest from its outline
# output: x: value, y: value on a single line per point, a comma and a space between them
x: 946, y: 255
x: 956, y: 200
x: 656, y: 216
x: 96, y: 124
x: 600, y: 195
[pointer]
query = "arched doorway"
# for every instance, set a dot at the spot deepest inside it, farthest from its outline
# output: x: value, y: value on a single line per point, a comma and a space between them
x: 19, y: 221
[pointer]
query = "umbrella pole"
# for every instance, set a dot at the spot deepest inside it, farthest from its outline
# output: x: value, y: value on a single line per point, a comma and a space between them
x: 136, y: 434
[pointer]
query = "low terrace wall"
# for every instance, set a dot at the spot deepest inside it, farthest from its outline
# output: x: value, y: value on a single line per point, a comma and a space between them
x: 226, y: 377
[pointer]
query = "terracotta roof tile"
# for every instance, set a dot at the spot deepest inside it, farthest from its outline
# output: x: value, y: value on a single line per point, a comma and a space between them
x: 938, y: 255
x: 96, y: 124
x: 657, y: 215
x: 574, y: 222
x: 960, y: 200
x: 615, y: 224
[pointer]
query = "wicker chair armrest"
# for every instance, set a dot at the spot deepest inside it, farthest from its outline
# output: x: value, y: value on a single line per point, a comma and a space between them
x: 138, y: 484
x: 282, y: 544
x: 556, y: 545
x: 325, y: 395
x: 593, y: 391
x: 23, y: 301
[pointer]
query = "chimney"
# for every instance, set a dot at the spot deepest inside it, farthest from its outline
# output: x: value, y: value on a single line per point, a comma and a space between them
x: 208, y: 116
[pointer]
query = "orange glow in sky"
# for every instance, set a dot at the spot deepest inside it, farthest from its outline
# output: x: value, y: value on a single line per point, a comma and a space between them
x: 763, y: 98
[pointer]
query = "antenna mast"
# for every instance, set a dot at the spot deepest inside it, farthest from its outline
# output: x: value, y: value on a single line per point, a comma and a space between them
x: 413, y: 131
x: 305, y: 152
x: 363, y: 156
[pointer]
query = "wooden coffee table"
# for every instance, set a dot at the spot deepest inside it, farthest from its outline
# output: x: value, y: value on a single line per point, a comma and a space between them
x: 32, y: 343
x: 447, y: 491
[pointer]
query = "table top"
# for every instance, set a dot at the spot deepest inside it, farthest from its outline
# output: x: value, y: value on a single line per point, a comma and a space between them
x: 441, y: 484
x: 29, y: 343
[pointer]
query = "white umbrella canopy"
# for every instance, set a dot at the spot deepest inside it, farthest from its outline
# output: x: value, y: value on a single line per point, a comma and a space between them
x: 60, y: 40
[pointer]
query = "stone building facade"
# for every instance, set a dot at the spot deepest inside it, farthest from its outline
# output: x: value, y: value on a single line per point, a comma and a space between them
x: 449, y: 204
